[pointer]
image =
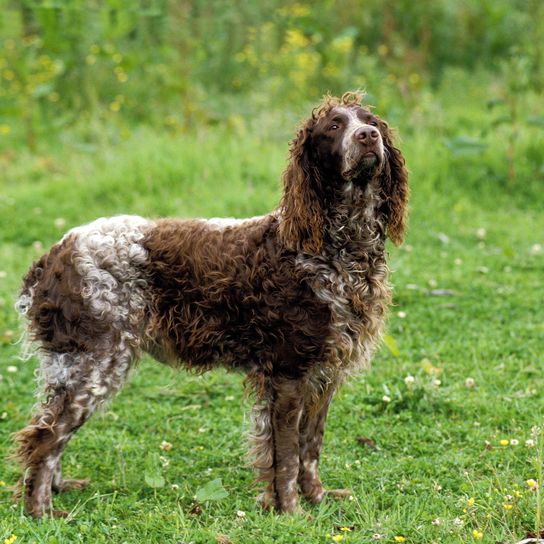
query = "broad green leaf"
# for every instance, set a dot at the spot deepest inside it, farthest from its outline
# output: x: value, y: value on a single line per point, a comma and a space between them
x: 153, y: 471
x: 212, y: 491
x: 154, y: 479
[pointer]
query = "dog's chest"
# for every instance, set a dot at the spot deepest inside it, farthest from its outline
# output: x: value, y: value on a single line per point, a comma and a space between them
x: 351, y: 285
x: 351, y: 277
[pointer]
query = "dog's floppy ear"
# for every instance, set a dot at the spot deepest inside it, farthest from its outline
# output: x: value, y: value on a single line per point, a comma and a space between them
x: 302, y: 222
x: 394, y: 186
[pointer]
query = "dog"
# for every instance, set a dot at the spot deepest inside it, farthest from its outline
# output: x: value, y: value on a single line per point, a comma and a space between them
x: 295, y: 299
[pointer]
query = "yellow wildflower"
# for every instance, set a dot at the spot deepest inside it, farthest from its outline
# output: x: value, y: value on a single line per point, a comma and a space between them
x: 338, y: 538
x: 507, y: 506
x: 470, y: 502
x: 532, y: 484
x: 300, y: 10
x: 400, y: 539
x: 11, y: 539
x: 477, y: 534
x: 296, y: 39
x: 504, y: 442
x: 345, y: 529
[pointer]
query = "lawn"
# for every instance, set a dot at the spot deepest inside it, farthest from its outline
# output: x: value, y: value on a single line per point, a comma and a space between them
x: 437, y: 441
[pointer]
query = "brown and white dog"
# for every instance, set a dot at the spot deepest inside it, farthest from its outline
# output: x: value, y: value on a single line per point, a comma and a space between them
x: 296, y: 299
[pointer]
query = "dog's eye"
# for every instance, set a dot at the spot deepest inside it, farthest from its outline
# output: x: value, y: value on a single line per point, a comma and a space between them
x: 373, y: 123
x: 334, y: 127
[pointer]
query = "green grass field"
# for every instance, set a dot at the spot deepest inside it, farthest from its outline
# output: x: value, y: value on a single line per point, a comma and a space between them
x: 450, y: 402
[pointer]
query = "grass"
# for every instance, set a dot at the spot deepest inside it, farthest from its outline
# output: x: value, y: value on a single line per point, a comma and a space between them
x: 467, y: 321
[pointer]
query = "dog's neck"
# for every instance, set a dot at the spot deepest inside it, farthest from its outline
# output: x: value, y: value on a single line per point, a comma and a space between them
x: 355, y: 226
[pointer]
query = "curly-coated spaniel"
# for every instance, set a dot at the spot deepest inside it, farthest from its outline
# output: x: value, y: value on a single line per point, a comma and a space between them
x: 296, y: 299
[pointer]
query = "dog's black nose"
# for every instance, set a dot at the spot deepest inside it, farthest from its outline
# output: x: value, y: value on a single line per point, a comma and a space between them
x: 366, y: 134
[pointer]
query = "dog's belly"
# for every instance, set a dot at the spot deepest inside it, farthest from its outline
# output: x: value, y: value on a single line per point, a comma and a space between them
x: 273, y: 331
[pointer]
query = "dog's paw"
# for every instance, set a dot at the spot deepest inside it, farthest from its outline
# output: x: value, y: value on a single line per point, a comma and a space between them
x: 268, y: 501
x: 315, y: 494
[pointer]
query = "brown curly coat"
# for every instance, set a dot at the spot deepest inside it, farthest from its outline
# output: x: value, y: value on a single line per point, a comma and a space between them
x: 296, y: 299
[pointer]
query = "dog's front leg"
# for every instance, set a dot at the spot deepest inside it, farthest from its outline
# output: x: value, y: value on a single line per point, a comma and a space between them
x: 286, y: 413
x: 312, y: 427
x: 276, y: 443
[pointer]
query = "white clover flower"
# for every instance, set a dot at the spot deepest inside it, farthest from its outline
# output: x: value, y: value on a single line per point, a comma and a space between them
x: 165, y: 446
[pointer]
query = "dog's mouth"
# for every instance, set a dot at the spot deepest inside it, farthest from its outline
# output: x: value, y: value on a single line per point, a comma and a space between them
x: 365, y: 167
x: 369, y: 159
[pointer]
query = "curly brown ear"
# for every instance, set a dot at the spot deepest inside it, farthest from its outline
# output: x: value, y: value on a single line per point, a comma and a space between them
x: 395, y: 189
x: 302, y: 222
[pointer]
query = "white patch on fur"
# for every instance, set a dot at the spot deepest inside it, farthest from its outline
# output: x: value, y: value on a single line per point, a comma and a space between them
x: 261, y: 436
x: 311, y: 468
x: 224, y: 222
x: 108, y: 256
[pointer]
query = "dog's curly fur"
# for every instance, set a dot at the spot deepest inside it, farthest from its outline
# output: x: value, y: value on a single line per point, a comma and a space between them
x: 296, y: 299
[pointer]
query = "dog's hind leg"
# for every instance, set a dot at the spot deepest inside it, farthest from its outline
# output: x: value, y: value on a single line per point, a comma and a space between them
x: 76, y: 384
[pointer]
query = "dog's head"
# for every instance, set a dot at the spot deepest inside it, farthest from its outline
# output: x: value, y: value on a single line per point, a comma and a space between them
x: 341, y: 143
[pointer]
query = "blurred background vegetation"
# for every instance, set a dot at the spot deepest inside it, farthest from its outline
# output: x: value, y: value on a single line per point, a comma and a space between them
x: 184, y: 108
x: 86, y: 73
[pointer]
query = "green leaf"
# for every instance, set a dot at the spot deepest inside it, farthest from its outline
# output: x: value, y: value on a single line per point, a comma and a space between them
x: 536, y: 120
x: 153, y: 471
x: 212, y: 491
x: 154, y: 479
x: 465, y: 145
x: 495, y: 101
x: 508, y: 251
x: 42, y: 90
x: 505, y: 119
x: 391, y: 345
